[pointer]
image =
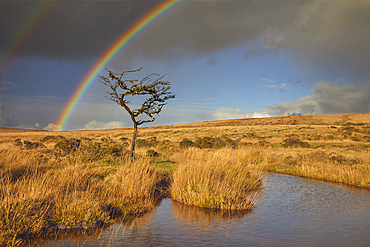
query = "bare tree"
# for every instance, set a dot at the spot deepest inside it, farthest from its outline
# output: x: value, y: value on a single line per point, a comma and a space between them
x: 152, y: 86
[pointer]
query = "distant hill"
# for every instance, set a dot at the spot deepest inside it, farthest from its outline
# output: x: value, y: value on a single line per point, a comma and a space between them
x: 17, y: 130
x: 340, y: 119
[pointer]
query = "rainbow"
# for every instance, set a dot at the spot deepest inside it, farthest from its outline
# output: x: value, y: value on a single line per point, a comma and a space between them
x: 25, y: 30
x: 87, y: 81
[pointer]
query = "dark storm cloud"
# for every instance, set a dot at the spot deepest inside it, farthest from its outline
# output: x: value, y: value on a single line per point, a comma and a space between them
x: 197, y: 28
x: 325, y: 98
x: 323, y: 36
x: 327, y: 36
x: 69, y: 30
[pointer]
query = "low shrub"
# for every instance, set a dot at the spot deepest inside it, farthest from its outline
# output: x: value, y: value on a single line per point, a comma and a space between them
x: 152, y: 153
x: 290, y: 161
x: 123, y: 142
x: 152, y: 142
x: 95, y: 151
x: 52, y: 138
x: 264, y: 143
x: 18, y: 142
x: 68, y: 145
x: 294, y: 143
x: 186, y: 143
x: 33, y: 145
x: 209, y: 142
x: 319, y: 156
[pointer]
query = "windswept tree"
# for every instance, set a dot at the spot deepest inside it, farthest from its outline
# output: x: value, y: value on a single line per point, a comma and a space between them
x: 154, y: 89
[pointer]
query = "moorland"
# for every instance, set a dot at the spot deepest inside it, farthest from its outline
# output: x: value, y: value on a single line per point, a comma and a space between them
x: 83, y: 179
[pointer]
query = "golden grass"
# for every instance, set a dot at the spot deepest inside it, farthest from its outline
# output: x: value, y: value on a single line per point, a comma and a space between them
x: 216, y: 180
x: 48, y: 188
x: 68, y: 194
x: 347, y: 168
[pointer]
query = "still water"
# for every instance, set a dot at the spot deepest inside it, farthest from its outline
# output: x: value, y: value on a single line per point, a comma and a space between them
x: 291, y: 211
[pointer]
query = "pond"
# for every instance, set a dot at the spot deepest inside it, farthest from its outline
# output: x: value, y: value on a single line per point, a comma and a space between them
x: 291, y: 211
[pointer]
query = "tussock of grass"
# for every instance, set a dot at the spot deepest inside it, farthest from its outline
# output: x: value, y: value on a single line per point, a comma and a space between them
x: 45, y: 195
x: 216, y: 180
x: 351, y: 169
x: 136, y: 182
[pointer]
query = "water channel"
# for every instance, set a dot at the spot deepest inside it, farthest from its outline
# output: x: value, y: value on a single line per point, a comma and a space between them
x: 291, y: 211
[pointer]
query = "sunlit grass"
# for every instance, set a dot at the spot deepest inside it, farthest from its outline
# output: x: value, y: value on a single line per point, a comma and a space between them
x: 85, y: 181
x: 347, y: 168
x: 38, y: 195
x: 216, y: 180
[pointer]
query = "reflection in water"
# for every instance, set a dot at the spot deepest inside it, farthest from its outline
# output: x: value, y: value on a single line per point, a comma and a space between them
x: 292, y: 212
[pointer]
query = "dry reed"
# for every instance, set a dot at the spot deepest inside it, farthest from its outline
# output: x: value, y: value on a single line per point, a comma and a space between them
x: 42, y: 189
x: 214, y: 179
x: 67, y: 194
x: 347, y: 168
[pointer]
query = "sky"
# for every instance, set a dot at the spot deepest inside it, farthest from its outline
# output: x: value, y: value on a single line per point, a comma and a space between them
x: 225, y: 59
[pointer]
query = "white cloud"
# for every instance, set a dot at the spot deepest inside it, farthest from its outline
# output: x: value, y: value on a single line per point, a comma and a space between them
x: 9, y: 122
x: 265, y: 79
x: 325, y: 99
x: 277, y: 85
x: 297, y: 80
x: 4, y: 85
x: 51, y: 127
x: 103, y: 125
x: 230, y: 113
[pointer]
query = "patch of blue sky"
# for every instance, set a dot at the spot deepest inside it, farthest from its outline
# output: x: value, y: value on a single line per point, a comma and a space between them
x: 35, y: 76
x: 233, y: 81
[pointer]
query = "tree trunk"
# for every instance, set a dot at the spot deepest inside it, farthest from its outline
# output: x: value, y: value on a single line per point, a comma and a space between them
x: 133, y: 142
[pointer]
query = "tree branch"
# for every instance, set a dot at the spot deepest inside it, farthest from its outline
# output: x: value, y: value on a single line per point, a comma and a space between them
x: 152, y: 85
